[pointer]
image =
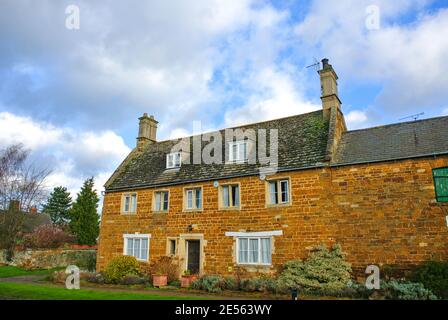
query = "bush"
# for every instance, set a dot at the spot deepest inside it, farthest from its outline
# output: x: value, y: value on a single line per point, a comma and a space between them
x: 263, y: 284
x: 96, y: 278
x: 402, y: 290
x: 87, y: 261
x: 166, y: 266
x: 211, y: 283
x: 133, y: 280
x: 434, y: 276
x: 119, y: 267
x: 323, y: 270
x: 230, y: 283
x: 47, y: 236
x: 175, y: 283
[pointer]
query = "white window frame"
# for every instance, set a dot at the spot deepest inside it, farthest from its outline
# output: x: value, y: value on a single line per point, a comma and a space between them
x: 126, y: 237
x: 230, y: 192
x: 235, y: 158
x: 258, y: 263
x: 279, y: 192
x: 132, y: 205
x: 162, y: 201
x: 173, y: 160
x: 193, y: 199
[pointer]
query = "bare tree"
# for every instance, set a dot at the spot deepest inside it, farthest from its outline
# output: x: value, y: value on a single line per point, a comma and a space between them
x: 21, y: 188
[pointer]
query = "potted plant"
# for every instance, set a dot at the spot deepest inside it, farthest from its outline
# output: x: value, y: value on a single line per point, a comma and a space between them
x: 187, y: 278
x: 159, y: 279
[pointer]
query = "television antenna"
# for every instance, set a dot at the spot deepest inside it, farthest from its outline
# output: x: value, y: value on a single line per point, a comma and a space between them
x: 414, y: 116
x: 315, y: 65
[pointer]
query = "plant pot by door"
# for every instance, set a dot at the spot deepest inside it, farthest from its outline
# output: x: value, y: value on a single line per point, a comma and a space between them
x: 159, y: 280
x: 185, y: 281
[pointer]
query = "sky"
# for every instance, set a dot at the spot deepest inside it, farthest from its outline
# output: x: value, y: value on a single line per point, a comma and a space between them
x: 73, y: 95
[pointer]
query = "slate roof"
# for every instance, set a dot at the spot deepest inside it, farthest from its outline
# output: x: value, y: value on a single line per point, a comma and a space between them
x: 302, y: 143
x: 395, y: 141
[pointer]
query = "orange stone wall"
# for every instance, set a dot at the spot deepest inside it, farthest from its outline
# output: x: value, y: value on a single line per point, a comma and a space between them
x: 383, y: 213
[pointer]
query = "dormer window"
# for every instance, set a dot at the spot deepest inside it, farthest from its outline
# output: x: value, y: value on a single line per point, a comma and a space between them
x: 238, y: 151
x: 173, y: 160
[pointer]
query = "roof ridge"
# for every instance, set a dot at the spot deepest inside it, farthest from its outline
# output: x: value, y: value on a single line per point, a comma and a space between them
x: 395, y: 124
x: 243, y: 125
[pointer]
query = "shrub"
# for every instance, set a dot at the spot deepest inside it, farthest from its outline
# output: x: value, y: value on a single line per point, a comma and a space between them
x: 402, y: 290
x: 119, y: 267
x: 96, y: 278
x: 323, y: 270
x: 210, y: 283
x: 133, y: 280
x: 47, y: 236
x: 175, y: 283
x: 263, y: 284
x: 230, y: 283
x: 166, y: 266
x: 434, y: 276
x: 87, y: 261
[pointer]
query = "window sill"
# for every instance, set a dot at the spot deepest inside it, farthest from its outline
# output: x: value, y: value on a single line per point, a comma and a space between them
x: 128, y: 213
x: 254, y: 264
x: 230, y: 209
x: 193, y: 210
x: 160, y: 211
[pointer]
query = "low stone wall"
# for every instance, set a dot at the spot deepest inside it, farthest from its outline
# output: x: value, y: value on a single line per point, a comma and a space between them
x: 50, y: 258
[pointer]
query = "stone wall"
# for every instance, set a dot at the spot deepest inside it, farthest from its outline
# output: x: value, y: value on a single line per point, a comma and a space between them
x: 383, y: 213
x: 49, y: 258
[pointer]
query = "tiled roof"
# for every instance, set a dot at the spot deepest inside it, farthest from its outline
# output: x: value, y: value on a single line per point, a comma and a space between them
x: 302, y: 143
x: 396, y: 141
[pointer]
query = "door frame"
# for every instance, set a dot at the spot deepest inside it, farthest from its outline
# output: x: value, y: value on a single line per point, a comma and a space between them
x: 183, y: 251
x: 187, y: 253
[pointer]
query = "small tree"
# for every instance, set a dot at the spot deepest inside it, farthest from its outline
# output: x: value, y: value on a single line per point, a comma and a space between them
x: 58, y: 206
x: 84, y: 219
x: 21, y: 188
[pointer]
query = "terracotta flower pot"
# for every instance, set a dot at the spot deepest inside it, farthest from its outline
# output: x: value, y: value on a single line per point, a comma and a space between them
x: 186, y: 280
x: 159, y: 280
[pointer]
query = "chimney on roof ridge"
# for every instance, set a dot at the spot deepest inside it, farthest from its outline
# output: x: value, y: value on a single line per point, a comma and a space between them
x: 147, y: 130
x: 329, y: 88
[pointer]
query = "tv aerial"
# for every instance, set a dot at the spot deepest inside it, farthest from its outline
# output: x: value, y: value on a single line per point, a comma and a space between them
x: 413, y: 116
x: 315, y: 65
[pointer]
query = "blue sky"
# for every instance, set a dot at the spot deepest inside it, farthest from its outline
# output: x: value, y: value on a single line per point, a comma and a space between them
x: 73, y: 96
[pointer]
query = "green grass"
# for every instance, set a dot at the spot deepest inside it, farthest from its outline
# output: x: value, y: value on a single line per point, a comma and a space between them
x: 10, y: 290
x: 10, y: 271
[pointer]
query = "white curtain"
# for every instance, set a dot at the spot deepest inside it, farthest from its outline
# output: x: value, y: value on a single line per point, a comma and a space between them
x: 225, y: 196
x: 137, y: 248
x: 242, y: 250
x: 130, y: 247
x: 265, y: 250
x: 144, y: 249
x: 157, y: 201
x: 253, y: 250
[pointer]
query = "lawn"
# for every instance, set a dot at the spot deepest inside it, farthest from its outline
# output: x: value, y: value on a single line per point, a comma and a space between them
x: 10, y: 290
x: 10, y: 271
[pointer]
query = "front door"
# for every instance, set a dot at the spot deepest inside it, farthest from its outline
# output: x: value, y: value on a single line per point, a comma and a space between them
x: 193, y: 256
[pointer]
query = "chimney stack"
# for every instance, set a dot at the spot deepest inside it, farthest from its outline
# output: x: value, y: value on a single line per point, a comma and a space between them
x: 329, y: 88
x: 147, y: 130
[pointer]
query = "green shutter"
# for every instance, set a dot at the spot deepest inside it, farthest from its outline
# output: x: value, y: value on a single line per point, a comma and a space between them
x: 441, y: 184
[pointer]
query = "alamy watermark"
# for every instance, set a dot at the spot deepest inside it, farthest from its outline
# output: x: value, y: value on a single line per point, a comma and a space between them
x: 72, y: 280
x: 373, y: 17
x: 73, y: 19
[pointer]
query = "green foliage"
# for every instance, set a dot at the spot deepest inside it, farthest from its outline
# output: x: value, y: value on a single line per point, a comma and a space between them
x: 119, y: 267
x: 84, y: 221
x: 87, y: 261
x: 434, y: 276
x: 131, y: 280
x: 58, y: 206
x: 210, y: 283
x: 323, y: 270
x: 402, y: 290
x: 230, y: 283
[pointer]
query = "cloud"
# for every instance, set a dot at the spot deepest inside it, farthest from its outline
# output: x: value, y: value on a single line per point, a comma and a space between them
x: 407, y: 59
x: 71, y: 155
x: 356, y: 119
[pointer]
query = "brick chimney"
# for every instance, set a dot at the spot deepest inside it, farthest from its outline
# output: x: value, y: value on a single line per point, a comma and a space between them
x: 147, y: 130
x: 329, y: 88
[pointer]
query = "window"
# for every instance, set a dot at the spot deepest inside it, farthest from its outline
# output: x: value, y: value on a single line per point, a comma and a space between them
x: 193, y: 199
x: 137, y: 245
x: 254, y: 250
x: 230, y: 196
x: 173, y: 160
x: 238, y: 151
x: 172, y: 247
x: 278, y: 191
x: 129, y: 203
x: 161, y: 201
x: 441, y: 184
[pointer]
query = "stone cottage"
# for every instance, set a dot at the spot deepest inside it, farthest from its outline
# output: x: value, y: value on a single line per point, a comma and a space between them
x: 381, y: 192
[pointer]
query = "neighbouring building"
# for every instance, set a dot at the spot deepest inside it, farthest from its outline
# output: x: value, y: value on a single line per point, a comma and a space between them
x: 381, y: 192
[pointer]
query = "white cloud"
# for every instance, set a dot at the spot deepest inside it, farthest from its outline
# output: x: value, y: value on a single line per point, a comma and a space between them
x: 356, y: 119
x: 408, y: 60
x: 72, y: 156
x: 445, y: 112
